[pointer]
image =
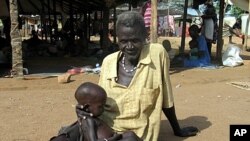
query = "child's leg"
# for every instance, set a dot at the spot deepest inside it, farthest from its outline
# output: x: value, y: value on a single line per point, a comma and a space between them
x: 60, y: 138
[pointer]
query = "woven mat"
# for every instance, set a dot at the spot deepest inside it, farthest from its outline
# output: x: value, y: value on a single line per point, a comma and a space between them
x: 241, y: 85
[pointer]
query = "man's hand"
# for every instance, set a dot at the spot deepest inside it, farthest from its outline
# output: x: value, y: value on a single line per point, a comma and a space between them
x: 187, y: 131
x: 181, y: 132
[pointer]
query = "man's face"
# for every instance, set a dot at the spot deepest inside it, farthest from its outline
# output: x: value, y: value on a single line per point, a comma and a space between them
x: 130, y: 41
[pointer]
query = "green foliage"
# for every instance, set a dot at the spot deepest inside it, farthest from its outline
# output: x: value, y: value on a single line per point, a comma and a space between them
x: 236, y: 11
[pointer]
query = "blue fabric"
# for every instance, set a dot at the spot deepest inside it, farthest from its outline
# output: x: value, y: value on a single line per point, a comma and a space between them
x: 203, y: 60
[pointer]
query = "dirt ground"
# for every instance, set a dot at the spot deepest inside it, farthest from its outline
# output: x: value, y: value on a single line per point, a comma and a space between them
x: 35, y: 109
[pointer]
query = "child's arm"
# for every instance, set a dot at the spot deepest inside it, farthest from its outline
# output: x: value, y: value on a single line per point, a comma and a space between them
x: 89, y: 129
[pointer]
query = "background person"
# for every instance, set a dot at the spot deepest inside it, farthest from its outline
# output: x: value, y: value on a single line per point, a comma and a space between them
x: 198, y: 55
x: 209, y: 26
x: 202, y: 57
x: 236, y: 30
x: 167, y: 45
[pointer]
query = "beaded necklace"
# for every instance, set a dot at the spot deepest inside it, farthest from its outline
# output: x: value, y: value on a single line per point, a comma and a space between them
x: 123, y: 65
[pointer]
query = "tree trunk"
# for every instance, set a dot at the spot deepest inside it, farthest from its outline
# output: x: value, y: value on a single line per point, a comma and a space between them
x: 220, y: 41
x: 154, y: 22
x: 16, y: 41
x: 184, y: 26
x: 105, y: 30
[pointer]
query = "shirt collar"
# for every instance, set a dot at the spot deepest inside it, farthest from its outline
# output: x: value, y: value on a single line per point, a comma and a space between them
x: 144, y: 59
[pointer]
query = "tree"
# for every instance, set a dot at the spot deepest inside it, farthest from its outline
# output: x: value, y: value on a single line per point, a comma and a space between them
x: 237, y: 11
x: 16, y: 41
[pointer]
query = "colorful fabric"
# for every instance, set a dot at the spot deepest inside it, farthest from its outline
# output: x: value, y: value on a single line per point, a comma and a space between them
x: 147, y: 14
x: 138, y: 107
x: 147, y: 17
x: 169, y: 23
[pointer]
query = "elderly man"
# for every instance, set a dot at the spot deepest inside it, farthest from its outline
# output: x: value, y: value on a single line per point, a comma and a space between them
x: 137, y: 83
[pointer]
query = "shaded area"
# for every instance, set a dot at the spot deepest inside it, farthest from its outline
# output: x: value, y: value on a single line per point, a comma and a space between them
x: 166, y: 132
x: 57, y: 64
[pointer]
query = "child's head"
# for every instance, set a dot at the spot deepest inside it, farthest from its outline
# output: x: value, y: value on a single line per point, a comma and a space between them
x: 92, y: 97
x: 209, y: 2
x: 194, y: 31
x: 166, y: 44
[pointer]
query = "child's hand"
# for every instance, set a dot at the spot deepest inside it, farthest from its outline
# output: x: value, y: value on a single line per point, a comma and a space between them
x: 81, y: 113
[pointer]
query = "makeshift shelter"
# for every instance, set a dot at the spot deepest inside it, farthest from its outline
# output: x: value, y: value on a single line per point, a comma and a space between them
x: 10, y: 9
x: 196, y: 3
x: 64, y: 7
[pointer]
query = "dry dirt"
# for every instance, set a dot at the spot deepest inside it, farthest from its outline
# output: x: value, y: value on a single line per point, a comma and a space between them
x: 34, y: 110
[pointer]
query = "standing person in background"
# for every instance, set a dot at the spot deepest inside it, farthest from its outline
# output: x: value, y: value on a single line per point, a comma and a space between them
x: 146, y: 13
x: 210, y: 26
x: 236, y: 30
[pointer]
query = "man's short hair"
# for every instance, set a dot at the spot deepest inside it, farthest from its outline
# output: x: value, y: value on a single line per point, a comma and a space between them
x: 131, y: 19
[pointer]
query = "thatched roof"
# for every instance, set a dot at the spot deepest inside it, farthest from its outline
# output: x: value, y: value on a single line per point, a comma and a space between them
x: 27, y: 7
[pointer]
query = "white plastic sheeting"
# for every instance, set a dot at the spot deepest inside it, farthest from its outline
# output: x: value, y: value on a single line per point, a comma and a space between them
x: 231, y: 57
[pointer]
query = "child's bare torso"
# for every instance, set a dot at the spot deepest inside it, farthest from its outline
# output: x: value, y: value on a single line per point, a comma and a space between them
x: 102, y: 129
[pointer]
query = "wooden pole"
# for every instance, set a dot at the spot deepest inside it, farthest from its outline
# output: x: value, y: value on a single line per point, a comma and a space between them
x: 16, y: 41
x: 55, y: 25
x: 129, y: 7
x: 85, y: 29
x: 43, y: 24
x: 220, y: 39
x: 246, y: 30
x: 49, y: 24
x: 72, y: 37
x: 167, y: 21
x: 153, y: 25
x: 183, y: 36
x: 89, y: 22
x: 114, y: 30
x: 105, y: 31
